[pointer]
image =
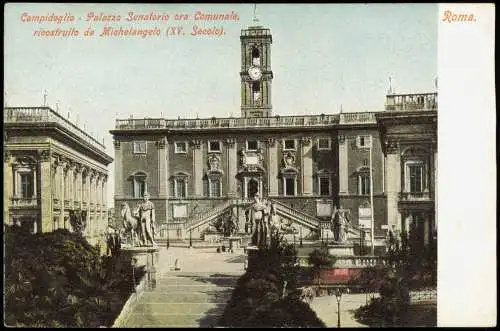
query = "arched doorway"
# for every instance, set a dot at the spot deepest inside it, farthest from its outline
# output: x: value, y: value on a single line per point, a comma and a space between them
x: 252, y: 188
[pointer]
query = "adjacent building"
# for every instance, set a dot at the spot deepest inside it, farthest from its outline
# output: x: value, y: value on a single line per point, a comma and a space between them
x: 197, y: 170
x: 52, y: 171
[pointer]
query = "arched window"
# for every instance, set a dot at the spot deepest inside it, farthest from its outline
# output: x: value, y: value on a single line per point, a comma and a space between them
x: 364, y: 181
x: 179, y: 185
x: 139, y: 184
x: 255, y: 56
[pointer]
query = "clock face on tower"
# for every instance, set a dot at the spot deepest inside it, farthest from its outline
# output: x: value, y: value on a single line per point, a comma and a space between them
x: 254, y: 73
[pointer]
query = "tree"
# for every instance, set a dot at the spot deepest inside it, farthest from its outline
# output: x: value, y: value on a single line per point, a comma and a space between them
x: 319, y: 258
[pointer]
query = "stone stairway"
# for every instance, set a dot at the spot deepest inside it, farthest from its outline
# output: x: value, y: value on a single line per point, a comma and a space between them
x: 184, y: 299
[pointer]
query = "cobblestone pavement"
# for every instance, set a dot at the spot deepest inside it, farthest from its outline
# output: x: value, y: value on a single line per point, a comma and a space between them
x: 194, y: 296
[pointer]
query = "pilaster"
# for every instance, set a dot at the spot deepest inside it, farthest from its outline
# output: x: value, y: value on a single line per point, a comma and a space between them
x: 343, y: 166
x: 272, y: 168
x: 163, y: 168
x: 232, y: 163
x: 8, y: 185
x: 307, y: 167
x: 119, y: 179
x: 198, y: 167
x: 393, y: 181
x: 46, y: 200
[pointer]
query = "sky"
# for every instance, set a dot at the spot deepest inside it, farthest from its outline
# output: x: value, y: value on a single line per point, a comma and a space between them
x: 323, y: 56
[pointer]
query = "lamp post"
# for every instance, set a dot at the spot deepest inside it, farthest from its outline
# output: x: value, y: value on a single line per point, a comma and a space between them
x: 190, y: 238
x: 338, y: 296
x: 300, y: 244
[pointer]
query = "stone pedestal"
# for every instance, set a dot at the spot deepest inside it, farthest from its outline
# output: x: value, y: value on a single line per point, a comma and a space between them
x: 344, y: 249
x: 143, y: 257
x: 252, y: 257
x: 231, y: 242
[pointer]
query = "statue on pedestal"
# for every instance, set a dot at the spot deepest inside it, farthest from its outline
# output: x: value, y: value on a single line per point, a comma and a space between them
x: 340, y: 225
x: 139, y: 224
x: 259, y: 216
x: 147, y: 220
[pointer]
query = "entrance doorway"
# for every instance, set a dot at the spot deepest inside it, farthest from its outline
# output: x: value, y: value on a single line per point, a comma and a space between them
x: 252, y: 188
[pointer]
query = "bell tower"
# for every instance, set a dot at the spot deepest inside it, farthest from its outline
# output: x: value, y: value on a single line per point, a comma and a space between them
x: 256, y: 74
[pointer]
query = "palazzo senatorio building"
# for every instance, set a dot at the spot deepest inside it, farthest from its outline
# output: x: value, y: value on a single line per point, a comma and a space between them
x: 52, y: 169
x: 198, y: 170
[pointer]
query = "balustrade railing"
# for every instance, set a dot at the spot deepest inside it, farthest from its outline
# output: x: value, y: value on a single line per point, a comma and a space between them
x: 420, y: 101
x: 311, y: 220
x: 355, y: 118
x: 207, y: 214
x: 241, y: 122
x: 24, y: 202
x: 415, y: 196
x: 46, y: 114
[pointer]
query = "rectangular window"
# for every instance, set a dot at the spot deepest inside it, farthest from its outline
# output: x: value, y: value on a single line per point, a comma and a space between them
x: 364, y: 184
x: 324, y: 144
x: 215, y: 188
x: 27, y: 185
x: 180, y: 188
x: 139, y: 147
x: 324, y: 186
x: 289, y: 144
x: 289, y: 186
x: 180, y: 147
x: 252, y: 145
x: 214, y: 146
x: 139, y: 187
x: 363, y: 141
x: 416, y: 178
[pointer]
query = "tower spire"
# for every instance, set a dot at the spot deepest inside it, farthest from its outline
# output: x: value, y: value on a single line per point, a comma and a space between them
x: 255, y: 19
x: 390, y: 86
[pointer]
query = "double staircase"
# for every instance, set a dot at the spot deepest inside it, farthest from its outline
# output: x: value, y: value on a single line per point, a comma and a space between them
x: 282, y: 210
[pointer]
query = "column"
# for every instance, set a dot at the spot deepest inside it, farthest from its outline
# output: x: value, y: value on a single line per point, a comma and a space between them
x: 307, y: 167
x: 435, y: 225
x: 46, y: 197
x: 343, y: 166
x: 62, y: 173
x: 90, y: 181
x: 198, y: 168
x: 426, y: 228
x: 272, y: 167
x: 232, y: 164
x: 119, y: 179
x: 163, y: 169
x: 393, y: 184
x: 70, y: 182
x: 8, y: 180
x: 35, y: 188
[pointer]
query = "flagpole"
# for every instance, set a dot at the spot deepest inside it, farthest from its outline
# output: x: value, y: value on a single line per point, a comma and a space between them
x: 371, y: 200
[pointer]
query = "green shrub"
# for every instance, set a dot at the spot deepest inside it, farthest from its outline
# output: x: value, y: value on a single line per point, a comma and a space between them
x: 58, y: 279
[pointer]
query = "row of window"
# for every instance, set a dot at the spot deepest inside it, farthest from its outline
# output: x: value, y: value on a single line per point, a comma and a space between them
x: 251, y: 145
x: 214, y: 186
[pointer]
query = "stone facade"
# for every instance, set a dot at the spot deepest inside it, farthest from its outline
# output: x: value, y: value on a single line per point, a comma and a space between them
x: 52, y: 168
x: 196, y: 168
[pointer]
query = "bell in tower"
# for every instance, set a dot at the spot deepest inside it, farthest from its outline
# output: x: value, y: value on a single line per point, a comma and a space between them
x: 256, y: 74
